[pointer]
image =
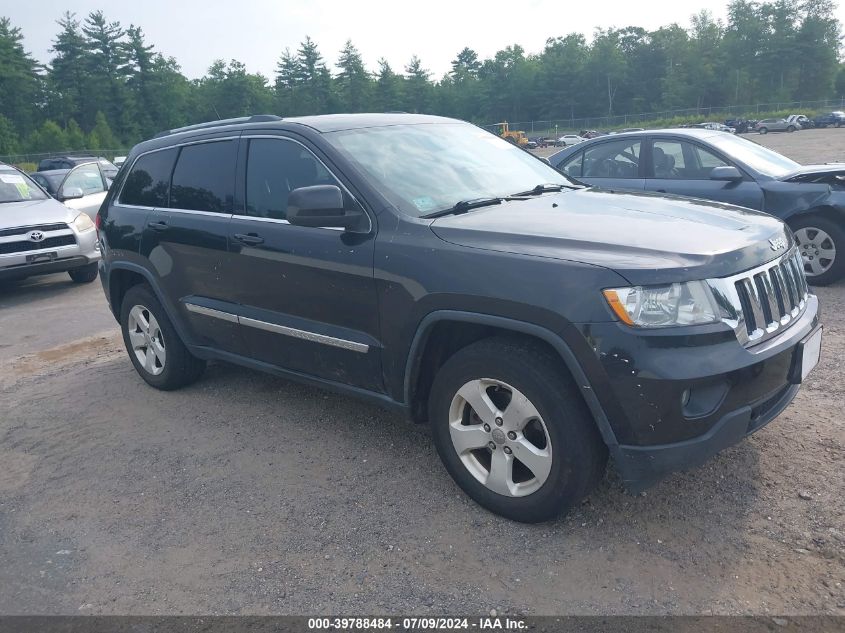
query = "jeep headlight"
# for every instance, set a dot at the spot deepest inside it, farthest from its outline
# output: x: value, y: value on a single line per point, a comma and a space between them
x: 83, y: 223
x: 688, y: 303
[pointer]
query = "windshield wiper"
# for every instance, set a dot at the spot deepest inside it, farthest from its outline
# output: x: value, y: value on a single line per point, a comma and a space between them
x: 463, y: 206
x: 544, y: 188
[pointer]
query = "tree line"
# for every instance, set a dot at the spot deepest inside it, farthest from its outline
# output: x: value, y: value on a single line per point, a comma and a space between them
x: 106, y: 86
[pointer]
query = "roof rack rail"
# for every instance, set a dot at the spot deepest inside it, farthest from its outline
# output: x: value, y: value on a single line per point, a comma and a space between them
x: 255, y: 118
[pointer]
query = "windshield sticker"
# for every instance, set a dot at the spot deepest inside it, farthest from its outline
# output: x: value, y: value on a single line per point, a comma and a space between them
x: 424, y: 203
x: 12, y: 179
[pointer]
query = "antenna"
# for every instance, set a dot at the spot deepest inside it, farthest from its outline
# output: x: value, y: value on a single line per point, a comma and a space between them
x: 216, y: 112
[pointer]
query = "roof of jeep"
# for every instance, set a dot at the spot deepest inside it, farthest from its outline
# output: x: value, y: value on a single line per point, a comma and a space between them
x: 335, y: 122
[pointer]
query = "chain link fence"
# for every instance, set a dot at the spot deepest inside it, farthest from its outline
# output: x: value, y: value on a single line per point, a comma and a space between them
x: 18, y: 159
x: 719, y: 113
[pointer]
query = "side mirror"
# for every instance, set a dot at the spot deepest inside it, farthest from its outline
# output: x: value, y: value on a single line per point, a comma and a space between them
x: 70, y: 193
x: 322, y: 206
x: 727, y: 172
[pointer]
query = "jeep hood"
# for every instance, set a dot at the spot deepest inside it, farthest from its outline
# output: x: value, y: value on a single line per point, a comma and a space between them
x: 646, y: 238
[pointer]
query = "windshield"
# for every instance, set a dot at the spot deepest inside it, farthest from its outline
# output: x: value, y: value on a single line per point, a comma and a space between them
x: 427, y: 168
x: 15, y: 187
x: 759, y: 158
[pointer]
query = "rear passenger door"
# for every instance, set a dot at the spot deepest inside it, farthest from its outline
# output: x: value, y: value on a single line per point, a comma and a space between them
x: 609, y: 164
x: 683, y: 168
x: 186, y: 239
x: 306, y: 295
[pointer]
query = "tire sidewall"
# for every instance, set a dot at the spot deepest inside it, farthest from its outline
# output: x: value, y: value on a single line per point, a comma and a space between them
x: 566, y: 481
x: 142, y: 295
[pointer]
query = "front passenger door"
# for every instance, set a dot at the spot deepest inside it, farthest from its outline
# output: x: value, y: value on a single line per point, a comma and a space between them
x: 306, y: 295
x: 683, y: 168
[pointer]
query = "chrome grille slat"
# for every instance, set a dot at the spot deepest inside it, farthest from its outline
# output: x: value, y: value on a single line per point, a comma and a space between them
x: 761, y: 302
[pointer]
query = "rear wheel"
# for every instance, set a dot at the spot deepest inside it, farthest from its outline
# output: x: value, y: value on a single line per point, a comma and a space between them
x: 791, y: 128
x: 84, y: 275
x: 513, y: 431
x: 154, y: 347
x: 821, y: 243
x: 763, y: 130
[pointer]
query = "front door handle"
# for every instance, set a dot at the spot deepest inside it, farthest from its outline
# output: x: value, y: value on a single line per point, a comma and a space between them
x: 250, y: 239
x: 157, y: 226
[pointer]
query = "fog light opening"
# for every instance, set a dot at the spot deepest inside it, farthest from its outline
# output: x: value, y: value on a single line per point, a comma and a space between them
x: 685, y: 397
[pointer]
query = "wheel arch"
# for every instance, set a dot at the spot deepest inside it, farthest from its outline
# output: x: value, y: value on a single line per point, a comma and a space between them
x: 475, y: 326
x: 123, y: 276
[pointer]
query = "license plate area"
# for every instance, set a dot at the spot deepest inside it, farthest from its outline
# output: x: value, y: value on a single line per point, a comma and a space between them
x: 41, y: 257
x: 807, y: 354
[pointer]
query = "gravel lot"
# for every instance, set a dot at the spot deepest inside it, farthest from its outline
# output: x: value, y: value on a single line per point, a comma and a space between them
x: 248, y: 494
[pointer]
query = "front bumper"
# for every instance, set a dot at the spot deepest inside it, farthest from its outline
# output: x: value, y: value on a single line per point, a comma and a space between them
x: 676, y: 398
x: 84, y: 250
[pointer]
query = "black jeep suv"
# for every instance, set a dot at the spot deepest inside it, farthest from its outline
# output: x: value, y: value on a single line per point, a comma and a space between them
x: 538, y: 325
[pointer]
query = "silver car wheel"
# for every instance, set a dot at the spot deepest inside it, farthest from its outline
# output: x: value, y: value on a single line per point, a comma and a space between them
x: 146, y: 339
x: 500, y: 437
x: 817, y: 249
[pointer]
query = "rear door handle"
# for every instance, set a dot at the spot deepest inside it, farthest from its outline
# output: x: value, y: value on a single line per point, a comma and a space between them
x: 251, y: 239
x: 157, y: 226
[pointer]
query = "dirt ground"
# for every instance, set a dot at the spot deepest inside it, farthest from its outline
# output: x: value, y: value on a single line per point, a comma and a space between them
x: 245, y: 493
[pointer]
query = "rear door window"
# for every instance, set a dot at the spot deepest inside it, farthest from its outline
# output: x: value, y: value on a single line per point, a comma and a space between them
x: 148, y: 184
x: 616, y: 159
x: 204, y: 177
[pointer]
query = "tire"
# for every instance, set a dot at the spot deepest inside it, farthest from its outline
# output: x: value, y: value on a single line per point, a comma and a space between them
x: 172, y: 365
x: 816, y: 236
x: 563, y: 437
x: 791, y: 128
x: 837, y: 124
x: 763, y: 130
x: 84, y: 274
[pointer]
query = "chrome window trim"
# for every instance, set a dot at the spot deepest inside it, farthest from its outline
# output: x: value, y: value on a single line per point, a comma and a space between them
x: 305, y: 335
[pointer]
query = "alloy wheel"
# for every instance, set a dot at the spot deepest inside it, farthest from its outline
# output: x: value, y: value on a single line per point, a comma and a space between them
x: 500, y: 437
x: 817, y: 249
x: 146, y: 339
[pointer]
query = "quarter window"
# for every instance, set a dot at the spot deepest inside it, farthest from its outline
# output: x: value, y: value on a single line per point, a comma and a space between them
x: 616, y: 159
x: 148, y: 184
x: 573, y: 167
x: 276, y: 167
x: 204, y: 177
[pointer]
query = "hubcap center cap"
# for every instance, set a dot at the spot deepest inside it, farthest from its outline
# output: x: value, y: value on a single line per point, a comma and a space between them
x: 498, y: 436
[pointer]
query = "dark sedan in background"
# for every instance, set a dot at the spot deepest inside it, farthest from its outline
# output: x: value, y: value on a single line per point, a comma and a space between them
x: 725, y: 168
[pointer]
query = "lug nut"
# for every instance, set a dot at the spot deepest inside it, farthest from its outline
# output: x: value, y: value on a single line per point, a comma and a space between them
x: 511, y: 435
x: 487, y: 428
x: 508, y: 450
x: 499, y: 421
x: 491, y: 446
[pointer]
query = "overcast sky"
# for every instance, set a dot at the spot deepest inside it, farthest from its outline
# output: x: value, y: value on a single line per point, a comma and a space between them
x: 257, y: 31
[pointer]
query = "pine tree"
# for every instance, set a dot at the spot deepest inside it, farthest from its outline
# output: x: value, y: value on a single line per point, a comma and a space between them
x: 20, y: 83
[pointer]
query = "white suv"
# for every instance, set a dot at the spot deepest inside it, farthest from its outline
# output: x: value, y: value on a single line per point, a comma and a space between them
x: 40, y: 235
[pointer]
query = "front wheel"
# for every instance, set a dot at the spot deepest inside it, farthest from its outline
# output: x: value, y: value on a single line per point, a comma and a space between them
x: 763, y: 130
x: 155, y: 349
x: 791, y: 128
x: 513, y: 431
x: 84, y: 274
x: 821, y: 242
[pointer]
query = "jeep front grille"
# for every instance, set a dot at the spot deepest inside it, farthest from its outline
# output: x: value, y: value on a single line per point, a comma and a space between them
x: 761, y: 302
